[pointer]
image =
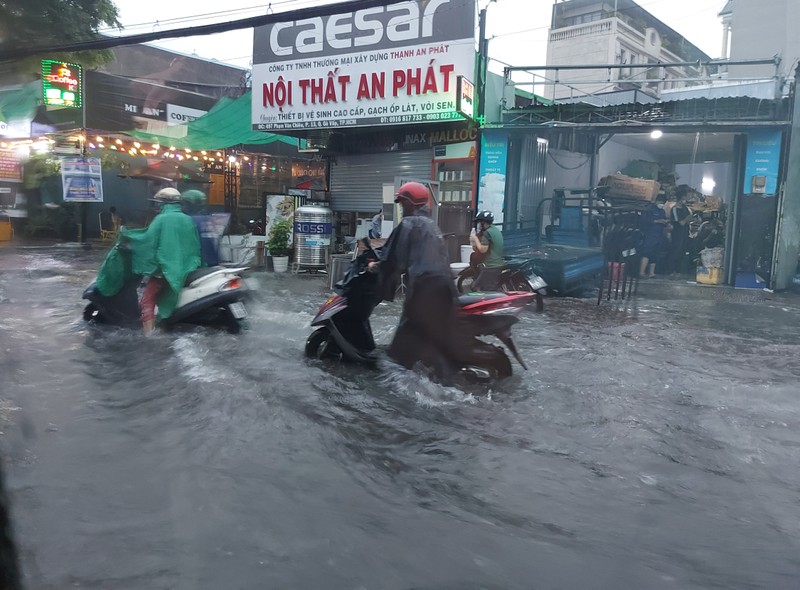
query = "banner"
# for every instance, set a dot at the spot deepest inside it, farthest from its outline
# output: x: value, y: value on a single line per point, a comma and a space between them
x: 82, y: 179
x: 492, y: 184
x: 386, y: 65
x: 762, y: 162
x: 10, y: 166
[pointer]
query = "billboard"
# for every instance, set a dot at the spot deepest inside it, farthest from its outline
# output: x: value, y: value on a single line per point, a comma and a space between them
x: 62, y: 83
x: 82, y: 179
x: 384, y: 65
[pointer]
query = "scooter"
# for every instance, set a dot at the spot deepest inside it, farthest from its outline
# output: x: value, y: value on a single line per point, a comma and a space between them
x: 517, y: 275
x: 343, y: 330
x: 211, y: 296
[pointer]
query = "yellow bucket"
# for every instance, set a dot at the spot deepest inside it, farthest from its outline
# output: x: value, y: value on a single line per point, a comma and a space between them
x: 6, y: 231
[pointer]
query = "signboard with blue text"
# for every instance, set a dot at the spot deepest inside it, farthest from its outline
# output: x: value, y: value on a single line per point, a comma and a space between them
x: 762, y: 163
x: 383, y: 65
x: 82, y: 179
x: 492, y: 180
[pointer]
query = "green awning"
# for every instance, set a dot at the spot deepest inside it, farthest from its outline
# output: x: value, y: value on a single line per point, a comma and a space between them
x: 225, y: 125
x: 20, y: 103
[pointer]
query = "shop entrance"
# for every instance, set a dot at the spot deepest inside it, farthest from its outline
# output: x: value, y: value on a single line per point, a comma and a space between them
x: 704, y: 169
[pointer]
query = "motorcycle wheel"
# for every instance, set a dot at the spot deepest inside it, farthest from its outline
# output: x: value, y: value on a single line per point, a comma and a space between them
x: 232, y: 325
x: 315, y: 341
x: 465, y: 279
x: 92, y: 314
x: 501, y: 365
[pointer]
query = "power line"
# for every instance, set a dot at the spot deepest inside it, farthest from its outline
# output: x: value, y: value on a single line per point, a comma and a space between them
x: 247, y: 23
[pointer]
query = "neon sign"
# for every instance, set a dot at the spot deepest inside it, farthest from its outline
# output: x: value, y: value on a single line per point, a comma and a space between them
x: 61, y: 83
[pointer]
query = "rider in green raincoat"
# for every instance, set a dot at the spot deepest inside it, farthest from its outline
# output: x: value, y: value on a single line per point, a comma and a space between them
x: 166, y: 251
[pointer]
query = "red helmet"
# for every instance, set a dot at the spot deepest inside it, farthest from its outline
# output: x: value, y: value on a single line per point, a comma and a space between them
x: 415, y: 193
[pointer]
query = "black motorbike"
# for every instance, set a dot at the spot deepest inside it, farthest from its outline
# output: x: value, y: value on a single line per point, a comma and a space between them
x: 343, y: 330
x: 518, y: 275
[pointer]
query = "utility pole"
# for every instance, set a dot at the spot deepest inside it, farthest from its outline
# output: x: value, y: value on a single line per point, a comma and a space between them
x: 480, y: 94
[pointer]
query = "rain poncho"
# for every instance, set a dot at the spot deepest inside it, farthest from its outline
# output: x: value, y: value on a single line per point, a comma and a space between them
x: 416, y: 248
x: 169, y: 247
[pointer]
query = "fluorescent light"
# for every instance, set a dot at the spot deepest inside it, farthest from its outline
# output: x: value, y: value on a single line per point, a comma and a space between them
x: 656, y: 133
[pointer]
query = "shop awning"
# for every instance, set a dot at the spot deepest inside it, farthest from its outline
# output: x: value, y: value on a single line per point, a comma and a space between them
x: 225, y: 125
x: 18, y: 107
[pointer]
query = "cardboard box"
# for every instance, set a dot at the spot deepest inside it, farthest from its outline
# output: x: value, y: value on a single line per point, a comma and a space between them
x: 709, y: 276
x: 628, y: 187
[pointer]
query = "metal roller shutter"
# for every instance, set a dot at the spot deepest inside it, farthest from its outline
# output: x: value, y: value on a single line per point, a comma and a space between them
x: 357, y: 179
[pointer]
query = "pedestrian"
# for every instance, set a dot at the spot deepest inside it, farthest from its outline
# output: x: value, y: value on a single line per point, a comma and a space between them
x: 490, y: 246
x: 165, y: 252
x: 417, y: 250
x: 680, y: 216
x: 375, y: 229
x: 193, y: 202
x: 653, y: 226
x: 116, y: 219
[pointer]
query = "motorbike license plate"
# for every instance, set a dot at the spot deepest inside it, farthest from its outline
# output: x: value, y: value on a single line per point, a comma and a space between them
x: 238, y: 310
x: 537, y: 283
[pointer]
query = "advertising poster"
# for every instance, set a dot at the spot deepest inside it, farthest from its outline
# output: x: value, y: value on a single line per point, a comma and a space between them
x: 82, y: 179
x: 762, y: 163
x: 492, y: 182
x: 10, y: 166
x: 385, y: 65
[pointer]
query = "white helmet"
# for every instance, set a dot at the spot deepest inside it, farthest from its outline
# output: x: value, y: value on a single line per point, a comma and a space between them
x: 167, y: 195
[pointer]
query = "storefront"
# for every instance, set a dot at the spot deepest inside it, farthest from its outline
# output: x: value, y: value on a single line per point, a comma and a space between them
x: 728, y: 156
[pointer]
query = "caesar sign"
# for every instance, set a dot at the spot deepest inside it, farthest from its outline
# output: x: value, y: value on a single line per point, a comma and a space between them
x: 383, y: 65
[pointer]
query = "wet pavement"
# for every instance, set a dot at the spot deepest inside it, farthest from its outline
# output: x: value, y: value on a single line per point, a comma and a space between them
x: 652, y: 444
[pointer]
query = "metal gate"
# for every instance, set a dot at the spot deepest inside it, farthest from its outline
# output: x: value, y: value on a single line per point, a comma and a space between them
x: 357, y: 179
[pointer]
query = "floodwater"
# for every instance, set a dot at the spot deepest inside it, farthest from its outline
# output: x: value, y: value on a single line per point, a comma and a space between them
x: 653, y: 444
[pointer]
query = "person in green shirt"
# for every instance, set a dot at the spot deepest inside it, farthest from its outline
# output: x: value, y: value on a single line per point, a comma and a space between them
x: 490, y: 246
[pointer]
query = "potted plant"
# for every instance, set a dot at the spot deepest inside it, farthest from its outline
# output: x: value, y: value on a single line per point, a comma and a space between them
x: 278, y: 244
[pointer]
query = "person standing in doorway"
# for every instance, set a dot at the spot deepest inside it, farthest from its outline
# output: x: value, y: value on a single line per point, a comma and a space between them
x: 375, y: 229
x: 653, y: 226
x: 680, y: 216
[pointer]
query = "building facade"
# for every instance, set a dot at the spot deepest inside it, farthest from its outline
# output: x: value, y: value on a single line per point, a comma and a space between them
x: 597, y: 32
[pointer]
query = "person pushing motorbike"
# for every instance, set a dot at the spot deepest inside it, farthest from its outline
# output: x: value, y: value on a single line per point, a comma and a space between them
x: 416, y: 248
x: 490, y: 246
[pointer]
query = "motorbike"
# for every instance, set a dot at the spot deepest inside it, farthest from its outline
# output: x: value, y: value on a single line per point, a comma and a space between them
x: 343, y: 330
x: 517, y: 275
x: 211, y: 296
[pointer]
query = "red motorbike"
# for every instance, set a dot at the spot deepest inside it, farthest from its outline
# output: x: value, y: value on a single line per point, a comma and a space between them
x: 343, y: 330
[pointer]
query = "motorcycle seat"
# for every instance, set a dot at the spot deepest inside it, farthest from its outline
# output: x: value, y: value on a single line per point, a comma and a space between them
x: 471, y: 298
x: 200, y: 273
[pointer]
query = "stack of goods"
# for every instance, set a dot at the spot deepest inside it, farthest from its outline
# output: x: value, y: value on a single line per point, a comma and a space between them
x: 710, y: 273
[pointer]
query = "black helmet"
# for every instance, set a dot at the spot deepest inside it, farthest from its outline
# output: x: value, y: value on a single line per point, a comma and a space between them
x: 485, y: 216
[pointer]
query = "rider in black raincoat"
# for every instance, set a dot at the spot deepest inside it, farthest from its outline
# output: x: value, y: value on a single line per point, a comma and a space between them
x: 416, y: 248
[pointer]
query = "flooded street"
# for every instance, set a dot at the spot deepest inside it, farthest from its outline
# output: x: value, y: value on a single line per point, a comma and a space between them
x: 651, y: 445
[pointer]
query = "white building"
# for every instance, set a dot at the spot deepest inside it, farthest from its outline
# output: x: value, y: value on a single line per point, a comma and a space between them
x: 619, y: 32
x: 760, y: 29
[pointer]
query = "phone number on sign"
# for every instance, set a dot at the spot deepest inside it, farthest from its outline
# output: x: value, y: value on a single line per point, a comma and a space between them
x: 423, y: 117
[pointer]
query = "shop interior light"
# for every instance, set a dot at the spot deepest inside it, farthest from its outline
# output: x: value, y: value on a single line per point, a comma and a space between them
x: 91, y: 145
x: 3, y: 144
x: 203, y: 152
x: 113, y: 147
x: 231, y: 159
x: 156, y: 146
x: 118, y: 142
x: 137, y: 145
x: 219, y: 154
x: 708, y: 185
x: 656, y: 133
x: 188, y: 151
x: 99, y: 139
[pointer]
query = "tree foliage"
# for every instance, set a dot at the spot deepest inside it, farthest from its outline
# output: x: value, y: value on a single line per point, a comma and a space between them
x: 52, y: 22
